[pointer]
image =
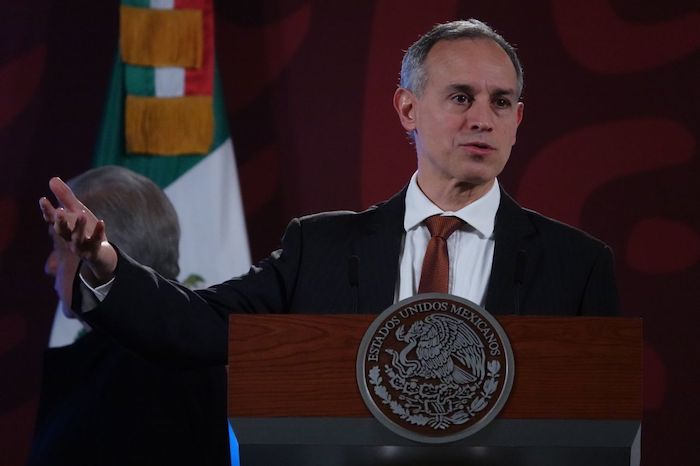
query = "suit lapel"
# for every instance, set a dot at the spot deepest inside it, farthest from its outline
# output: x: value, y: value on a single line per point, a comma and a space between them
x: 514, y: 257
x: 378, y: 248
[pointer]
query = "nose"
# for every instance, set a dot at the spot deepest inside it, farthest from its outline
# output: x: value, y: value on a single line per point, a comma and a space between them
x: 481, y: 126
x: 480, y: 118
x: 51, y: 264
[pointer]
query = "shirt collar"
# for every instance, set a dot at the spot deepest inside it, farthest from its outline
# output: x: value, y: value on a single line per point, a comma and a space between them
x: 480, y: 214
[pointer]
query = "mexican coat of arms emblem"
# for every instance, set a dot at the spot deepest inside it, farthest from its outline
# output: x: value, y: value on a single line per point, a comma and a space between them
x: 435, y: 368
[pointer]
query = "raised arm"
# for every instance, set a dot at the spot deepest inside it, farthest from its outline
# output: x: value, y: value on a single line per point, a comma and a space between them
x: 84, y: 233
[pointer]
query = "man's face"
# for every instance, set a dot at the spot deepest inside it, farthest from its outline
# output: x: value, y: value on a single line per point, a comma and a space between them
x: 466, y: 117
x: 62, y: 264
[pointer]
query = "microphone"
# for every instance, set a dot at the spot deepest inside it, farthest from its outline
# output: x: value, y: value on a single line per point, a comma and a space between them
x: 354, y: 280
x: 520, y: 264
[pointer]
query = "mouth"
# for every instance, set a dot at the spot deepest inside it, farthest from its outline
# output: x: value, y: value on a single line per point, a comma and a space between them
x: 478, y: 147
x: 479, y: 144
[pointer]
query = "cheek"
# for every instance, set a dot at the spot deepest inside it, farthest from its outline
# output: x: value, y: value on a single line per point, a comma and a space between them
x: 448, y: 123
x: 440, y: 136
x: 511, y: 131
x: 50, y: 265
x: 64, y: 286
x: 438, y: 121
x: 64, y: 278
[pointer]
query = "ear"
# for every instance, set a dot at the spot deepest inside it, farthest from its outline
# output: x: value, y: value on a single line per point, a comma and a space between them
x: 519, y: 111
x: 404, y: 103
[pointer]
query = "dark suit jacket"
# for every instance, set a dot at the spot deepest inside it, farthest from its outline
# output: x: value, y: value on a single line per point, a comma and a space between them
x: 104, y: 405
x: 540, y: 266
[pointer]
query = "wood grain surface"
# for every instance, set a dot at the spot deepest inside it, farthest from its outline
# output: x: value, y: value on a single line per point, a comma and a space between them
x: 304, y: 365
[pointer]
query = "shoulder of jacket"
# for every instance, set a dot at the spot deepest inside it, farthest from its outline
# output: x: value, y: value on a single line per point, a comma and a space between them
x: 552, y: 228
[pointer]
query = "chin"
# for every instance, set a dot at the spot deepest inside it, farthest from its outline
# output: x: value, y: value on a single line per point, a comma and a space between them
x: 478, y: 171
x: 476, y: 179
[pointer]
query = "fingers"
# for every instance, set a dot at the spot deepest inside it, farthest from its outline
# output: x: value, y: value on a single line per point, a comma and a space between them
x: 83, y: 232
x: 47, y: 210
x: 73, y: 221
x: 78, y: 234
x: 64, y: 218
x: 93, y: 242
x: 99, y: 231
x: 65, y: 195
x: 85, y: 237
x: 64, y: 224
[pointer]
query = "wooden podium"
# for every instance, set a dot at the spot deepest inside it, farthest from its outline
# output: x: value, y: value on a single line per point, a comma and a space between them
x: 576, y: 398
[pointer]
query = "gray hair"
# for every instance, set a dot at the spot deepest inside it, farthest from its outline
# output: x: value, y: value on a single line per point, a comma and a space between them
x: 413, y: 75
x: 140, y: 219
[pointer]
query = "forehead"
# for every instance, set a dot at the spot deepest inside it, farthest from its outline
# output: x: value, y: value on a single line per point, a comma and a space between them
x: 467, y: 61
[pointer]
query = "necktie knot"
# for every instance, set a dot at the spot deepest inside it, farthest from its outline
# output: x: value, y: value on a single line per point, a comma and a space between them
x: 442, y: 226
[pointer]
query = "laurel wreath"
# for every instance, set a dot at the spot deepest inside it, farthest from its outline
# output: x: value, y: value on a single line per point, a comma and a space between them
x: 441, y: 421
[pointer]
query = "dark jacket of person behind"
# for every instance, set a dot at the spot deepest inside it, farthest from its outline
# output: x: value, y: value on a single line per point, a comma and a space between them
x: 101, y: 403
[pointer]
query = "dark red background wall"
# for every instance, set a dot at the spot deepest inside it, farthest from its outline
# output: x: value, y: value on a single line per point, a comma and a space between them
x: 609, y: 144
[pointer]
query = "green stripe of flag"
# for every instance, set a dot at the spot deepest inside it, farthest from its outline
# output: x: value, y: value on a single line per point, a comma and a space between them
x: 137, y: 3
x: 140, y: 80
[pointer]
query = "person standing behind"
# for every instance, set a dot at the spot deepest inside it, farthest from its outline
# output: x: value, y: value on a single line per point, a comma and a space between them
x: 101, y: 403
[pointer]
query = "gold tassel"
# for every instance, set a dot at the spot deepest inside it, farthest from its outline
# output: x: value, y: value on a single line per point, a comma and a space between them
x: 149, y: 37
x: 169, y: 126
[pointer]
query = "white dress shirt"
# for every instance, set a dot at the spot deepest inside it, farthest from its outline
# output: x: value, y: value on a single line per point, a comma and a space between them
x: 470, y: 248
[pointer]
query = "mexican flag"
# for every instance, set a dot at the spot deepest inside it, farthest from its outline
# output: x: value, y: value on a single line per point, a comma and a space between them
x: 165, y: 119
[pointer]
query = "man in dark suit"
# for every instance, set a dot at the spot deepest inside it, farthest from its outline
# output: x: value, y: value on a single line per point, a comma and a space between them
x: 102, y: 404
x: 459, y: 100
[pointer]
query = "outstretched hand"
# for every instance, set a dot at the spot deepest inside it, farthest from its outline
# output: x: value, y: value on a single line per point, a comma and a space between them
x: 83, y: 232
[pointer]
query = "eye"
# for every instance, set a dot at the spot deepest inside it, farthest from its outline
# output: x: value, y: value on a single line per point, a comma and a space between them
x: 462, y: 99
x: 502, y: 102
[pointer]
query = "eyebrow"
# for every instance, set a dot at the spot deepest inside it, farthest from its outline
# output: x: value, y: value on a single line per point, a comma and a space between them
x: 467, y: 89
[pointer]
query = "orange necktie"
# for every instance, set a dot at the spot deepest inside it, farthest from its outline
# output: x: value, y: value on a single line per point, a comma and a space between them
x: 435, y: 275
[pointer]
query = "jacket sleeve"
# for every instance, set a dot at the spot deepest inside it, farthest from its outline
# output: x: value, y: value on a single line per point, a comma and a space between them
x: 166, y: 322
